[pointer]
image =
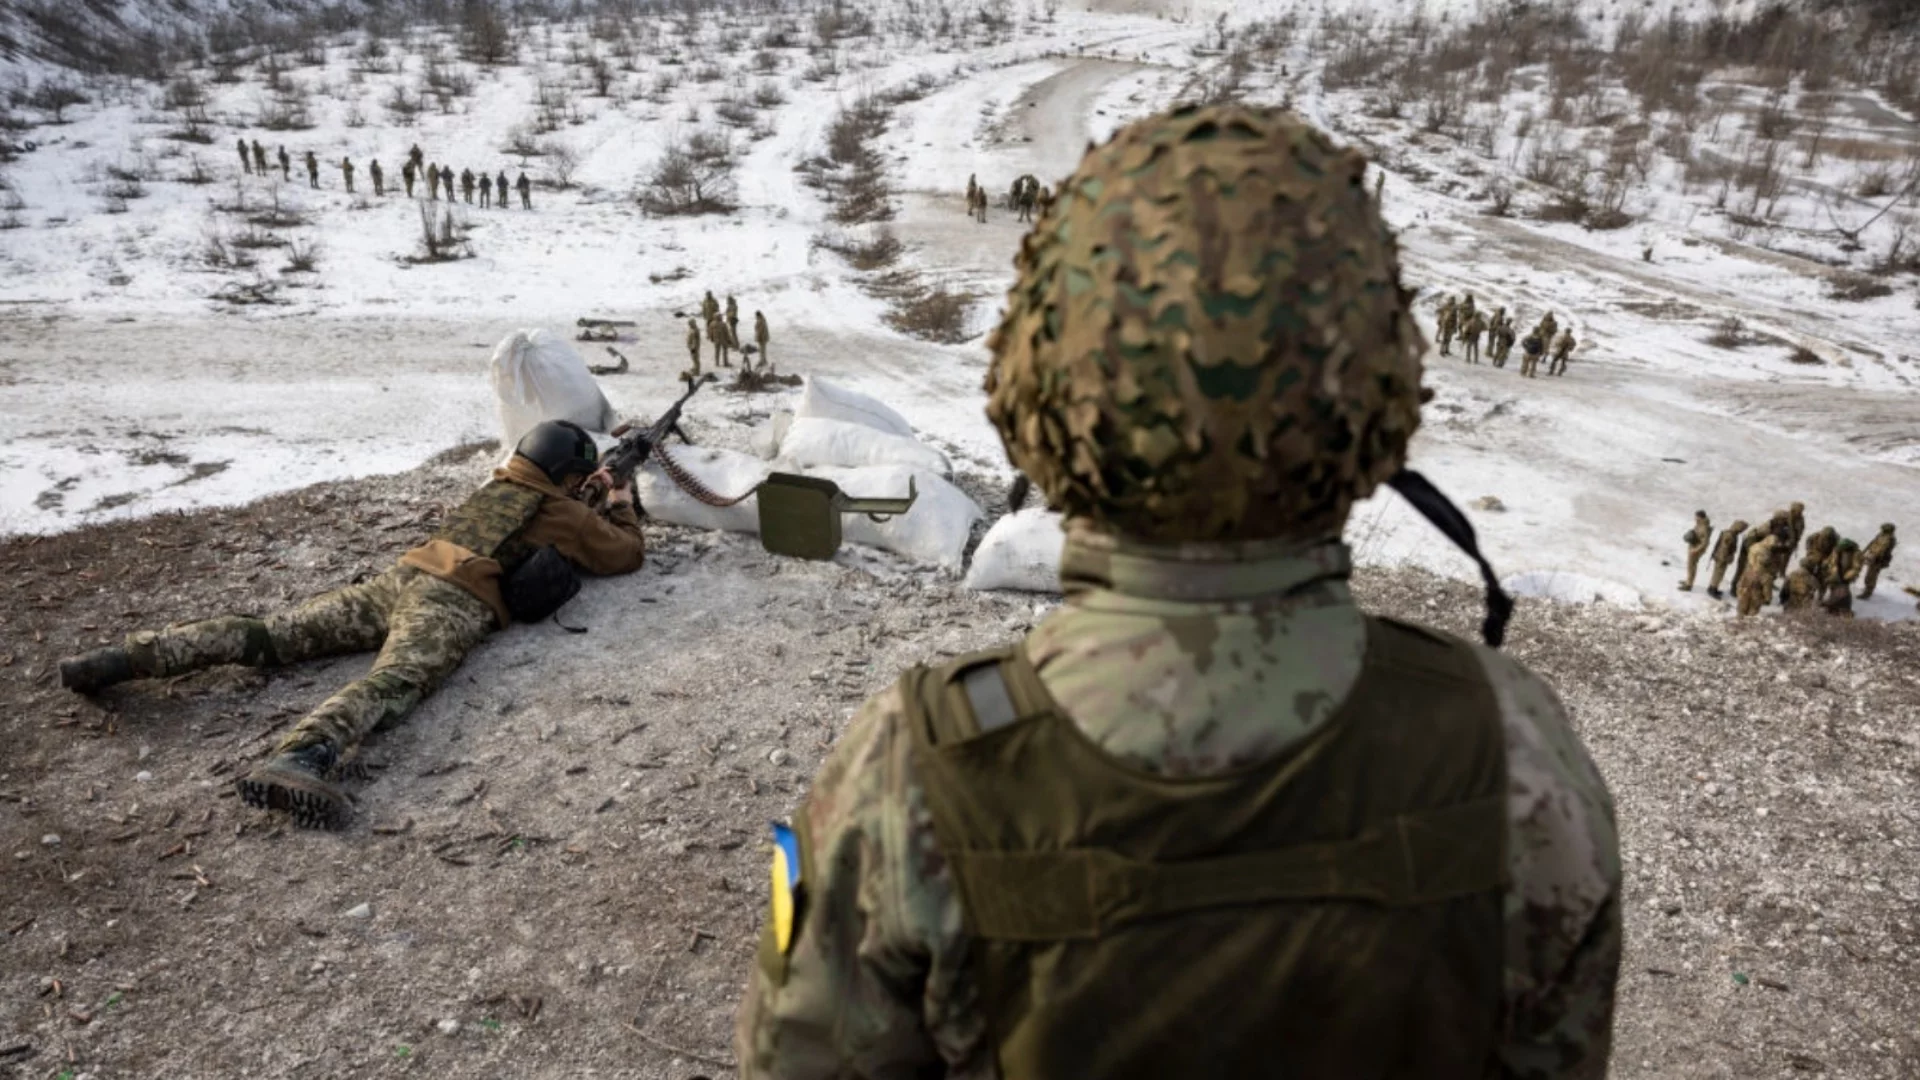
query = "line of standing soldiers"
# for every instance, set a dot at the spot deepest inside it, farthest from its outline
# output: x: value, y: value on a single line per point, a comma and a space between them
x: 1459, y: 318
x: 1760, y: 556
x: 723, y: 333
x: 1027, y: 196
x: 253, y: 158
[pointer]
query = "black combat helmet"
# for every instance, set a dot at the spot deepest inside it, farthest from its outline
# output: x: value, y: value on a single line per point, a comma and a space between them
x: 561, y: 448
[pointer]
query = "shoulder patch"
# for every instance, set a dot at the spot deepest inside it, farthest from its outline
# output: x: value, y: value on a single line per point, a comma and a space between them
x: 786, y: 884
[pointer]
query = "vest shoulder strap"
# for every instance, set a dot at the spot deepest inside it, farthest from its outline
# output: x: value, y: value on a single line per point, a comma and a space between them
x: 973, y: 695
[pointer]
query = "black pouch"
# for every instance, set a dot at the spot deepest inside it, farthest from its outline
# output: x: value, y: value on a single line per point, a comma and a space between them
x: 540, y: 585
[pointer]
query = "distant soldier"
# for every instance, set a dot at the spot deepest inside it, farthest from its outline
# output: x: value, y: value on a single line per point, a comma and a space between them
x: 1448, y: 322
x: 1503, y: 339
x: 378, y: 178
x: 500, y: 190
x: 1470, y: 334
x: 1756, y: 582
x: 467, y: 185
x: 1878, y: 556
x: 415, y: 157
x: 286, y: 165
x: 760, y: 337
x: 709, y: 307
x: 1801, y: 590
x: 406, y: 176
x: 1531, y: 347
x: 1466, y: 310
x: 693, y: 343
x: 973, y: 189
x: 1046, y: 200
x: 733, y: 319
x: 433, y: 181
x: 246, y: 160
x: 1724, y: 551
x: 486, y: 191
x: 446, y: 180
x: 1563, y: 348
x: 525, y: 187
x: 717, y: 335
x: 313, y: 170
x: 980, y: 205
x: 1697, y: 538
x: 1847, y: 562
x: 1796, y: 524
x: 1026, y: 194
x: 346, y: 170
x: 1819, y: 556
x: 259, y: 158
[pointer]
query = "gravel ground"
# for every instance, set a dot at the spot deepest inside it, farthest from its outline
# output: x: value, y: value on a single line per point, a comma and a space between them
x: 557, y: 867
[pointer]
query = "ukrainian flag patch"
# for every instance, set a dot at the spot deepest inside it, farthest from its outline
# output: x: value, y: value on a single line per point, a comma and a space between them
x: 786, y: 884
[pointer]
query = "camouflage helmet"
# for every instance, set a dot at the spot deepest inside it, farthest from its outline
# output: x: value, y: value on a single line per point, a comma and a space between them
x: 1208, y: 338
x: 1886, y: 526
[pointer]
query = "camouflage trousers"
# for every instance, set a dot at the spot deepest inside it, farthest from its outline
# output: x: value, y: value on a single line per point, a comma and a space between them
x: 1719, y: 574
x: 423, y: 628
x: 1693, y: 568
x: 1473, y: 349
x: 1872, y: 579
x: 1755, y: 591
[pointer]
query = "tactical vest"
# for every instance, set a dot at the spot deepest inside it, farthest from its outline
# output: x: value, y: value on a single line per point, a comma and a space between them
x: 1335, y: 912
x: 489, y: 523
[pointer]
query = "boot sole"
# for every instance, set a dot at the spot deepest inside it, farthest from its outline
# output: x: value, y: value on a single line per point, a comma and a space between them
x: 312, y: 803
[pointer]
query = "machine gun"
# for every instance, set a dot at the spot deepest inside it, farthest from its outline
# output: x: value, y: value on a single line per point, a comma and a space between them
x: 636, y: 444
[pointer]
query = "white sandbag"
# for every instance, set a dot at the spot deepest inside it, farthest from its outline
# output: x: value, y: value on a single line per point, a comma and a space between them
x: 813, y: 442
x: 934, y: 531
x: 537, y: 375
x: 827, y: 401
x: 1020, y: 552
x: 725, y: 472
x: 770, y: 433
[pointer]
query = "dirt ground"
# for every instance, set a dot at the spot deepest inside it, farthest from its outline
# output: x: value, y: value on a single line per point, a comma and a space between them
x: 558, y: 870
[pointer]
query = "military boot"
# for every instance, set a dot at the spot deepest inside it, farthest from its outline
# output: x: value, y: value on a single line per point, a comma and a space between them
x: 97, y: 670
x: 297, y: 781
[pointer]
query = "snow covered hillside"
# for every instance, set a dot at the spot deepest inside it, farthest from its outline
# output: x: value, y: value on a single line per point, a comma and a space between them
x: 1728, y: 241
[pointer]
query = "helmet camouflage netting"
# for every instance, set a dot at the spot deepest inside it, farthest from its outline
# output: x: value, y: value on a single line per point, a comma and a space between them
x: 1208, y: 339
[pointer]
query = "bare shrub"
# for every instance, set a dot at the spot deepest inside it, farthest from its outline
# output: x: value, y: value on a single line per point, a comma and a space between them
x: 218, y: 254
x: 1857, y: 288
x: 54, y: 97
x: 766, y: 62
x: 1500, y: 198
x: 253, y: 238
x: 442, y: 239
x: 873, y: 251
x: 562, y: 160
x: 1728, y: 333
x: 303, y: 256
x: 735, y: 112
x: 690, y: 178
x: 125, y: 188
x: 1803, y: 355
x: 402, y: 107
x: 931, y: 313
x: 768, y: 95
x: 706, y: 73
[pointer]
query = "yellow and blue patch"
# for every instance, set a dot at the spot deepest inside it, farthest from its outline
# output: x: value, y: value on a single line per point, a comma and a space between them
x: 786, y: 884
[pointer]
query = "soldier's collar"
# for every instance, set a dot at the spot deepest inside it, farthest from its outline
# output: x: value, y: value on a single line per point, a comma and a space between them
x: 1197, y: 572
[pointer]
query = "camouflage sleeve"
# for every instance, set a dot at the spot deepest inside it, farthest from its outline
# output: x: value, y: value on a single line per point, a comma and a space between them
x: 873, y: 982
x: 1563, y: 905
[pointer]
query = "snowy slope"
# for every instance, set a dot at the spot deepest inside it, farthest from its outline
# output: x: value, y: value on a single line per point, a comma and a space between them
x: 125, y: 390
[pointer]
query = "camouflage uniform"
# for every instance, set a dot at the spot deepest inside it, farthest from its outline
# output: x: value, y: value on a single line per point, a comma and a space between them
x: 378, y: 177
x: 1470, y: 333
x: 1562, y: 349
x: 1877, y: 556
x: 1724, y: 551
x: 760, y: 337
x: 433, y: 181
x: 693, y: 344
x: 286, y: 164
x: 500, y: 190
x: 346, y: 170
x: 1697, y: 538
x: 313, y: 170
x: 1503, y: 338
x: 1796, y: 525
x: 406, y: 177
x: 423, y: 615
x: 1846, y: 566
x: 1801, y: 590
x: 717, y: 335
x: 466, y: 185
x: 246, y: 159
x: 709, y: 307
x: 486, y: 191
x: 525, y: 187
x: 416, y: 157
x: 259, y: 158
x: 1447, y: 323
x: 733, y: 320
x: 1755, y: 586
x: 1531, y: 347
x: 1208, y: 630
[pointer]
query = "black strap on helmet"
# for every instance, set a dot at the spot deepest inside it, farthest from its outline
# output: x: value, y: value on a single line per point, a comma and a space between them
x: 1446, y: 517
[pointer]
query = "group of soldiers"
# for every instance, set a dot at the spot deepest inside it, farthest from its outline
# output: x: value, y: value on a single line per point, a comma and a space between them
x: 1459, y: 318
x: 1760, y: 557
x: 723, y: 333
x: 493, y: 190
x: 1026, y: 196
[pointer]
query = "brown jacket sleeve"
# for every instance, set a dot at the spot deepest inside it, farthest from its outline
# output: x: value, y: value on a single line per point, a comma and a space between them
x: 599, y: 544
